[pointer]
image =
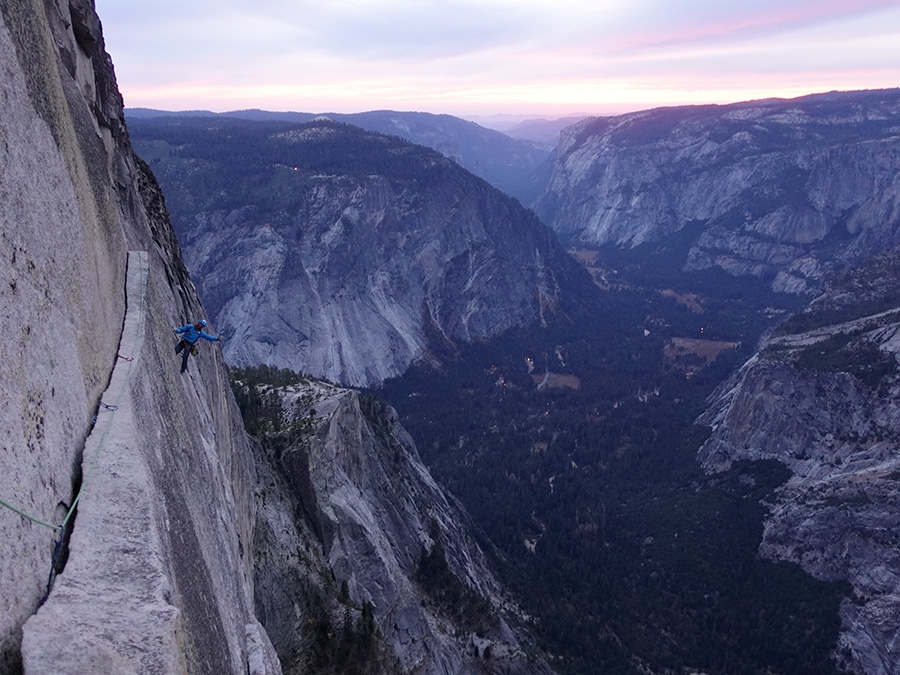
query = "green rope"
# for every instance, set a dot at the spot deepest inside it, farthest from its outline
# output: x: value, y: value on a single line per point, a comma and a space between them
x: 112, y: 409
x: 25, y: 515
x: 115, y: 406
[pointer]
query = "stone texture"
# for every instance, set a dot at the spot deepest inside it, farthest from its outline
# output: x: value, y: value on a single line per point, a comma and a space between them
x: 837, y: 516
x: 752, y: 188
x: 369, y: 509
x: 76, y: 631
x: 62, y: 294
x: 158, y: 576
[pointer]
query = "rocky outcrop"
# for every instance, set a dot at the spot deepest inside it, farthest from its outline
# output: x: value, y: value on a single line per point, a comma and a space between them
x: 821, y: 397
x: 777, y: 189
x: 143, y: 529
x: 155, y: 573
x: 367, y: 511
x: 515, y: 165
x: 362, y: 255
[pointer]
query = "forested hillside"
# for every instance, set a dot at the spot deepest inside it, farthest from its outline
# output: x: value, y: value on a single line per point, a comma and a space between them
x: 585, y: 480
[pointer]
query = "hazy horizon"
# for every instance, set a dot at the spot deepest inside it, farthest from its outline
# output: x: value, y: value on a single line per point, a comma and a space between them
x: 494, y: 57
x: 497, y: 121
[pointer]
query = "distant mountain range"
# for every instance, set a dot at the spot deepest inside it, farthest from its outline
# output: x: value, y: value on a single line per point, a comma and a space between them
x: 359, y: 256
x: 517, y: 165
x: 346, y: 254
x: 777, y: 189
x: 543, y: 131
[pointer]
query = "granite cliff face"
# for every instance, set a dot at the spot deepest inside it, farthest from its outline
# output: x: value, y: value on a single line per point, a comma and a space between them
x: 348, y: 255
x: 778, y: 189
x: 367, y: 511
x: 175, y: 530
x: 821, y: 397
x: 155, y: 574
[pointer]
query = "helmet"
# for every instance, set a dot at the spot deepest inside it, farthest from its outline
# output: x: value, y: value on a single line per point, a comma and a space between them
x: 203, y: 322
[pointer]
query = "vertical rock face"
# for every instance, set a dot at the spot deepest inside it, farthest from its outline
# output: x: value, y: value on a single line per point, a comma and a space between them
x: 183, y: 529
x: 821, y: 397
x: 361, y: 253
x: 344, y: 465
x: 63, y: 267
x: 157, y: 577
x: 775, y: 189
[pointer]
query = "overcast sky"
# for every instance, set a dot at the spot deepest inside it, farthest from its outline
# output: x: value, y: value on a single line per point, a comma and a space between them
x: 474, y: 58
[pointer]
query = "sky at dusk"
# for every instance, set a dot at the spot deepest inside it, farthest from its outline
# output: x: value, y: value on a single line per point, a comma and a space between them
x: 476, y: 58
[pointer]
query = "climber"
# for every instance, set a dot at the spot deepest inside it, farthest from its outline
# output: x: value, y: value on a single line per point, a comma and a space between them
x: 190, y: 333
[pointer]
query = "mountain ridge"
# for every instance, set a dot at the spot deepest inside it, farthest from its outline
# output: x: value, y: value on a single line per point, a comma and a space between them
x: 516, y: 166
x: 349, y: 255
x: 780, y: 189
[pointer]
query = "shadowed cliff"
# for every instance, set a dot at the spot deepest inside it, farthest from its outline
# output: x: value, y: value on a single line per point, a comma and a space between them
x: 821, y: 398
x: 349, y: 255
x: 156, y: 576
x: 347, y: 500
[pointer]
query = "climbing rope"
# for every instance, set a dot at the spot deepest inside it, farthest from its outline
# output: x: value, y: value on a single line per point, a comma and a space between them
x: 25, y: 515
x: 112, y: 408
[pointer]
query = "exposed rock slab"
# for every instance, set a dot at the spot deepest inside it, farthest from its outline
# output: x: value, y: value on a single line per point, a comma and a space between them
x: 62, y: 281
x: 776, y: 189
x: 837, y: 516
x: 86, y: 626
x: 354, y: 472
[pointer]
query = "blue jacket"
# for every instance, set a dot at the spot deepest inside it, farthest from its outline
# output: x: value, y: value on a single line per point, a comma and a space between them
x: 190, y: 333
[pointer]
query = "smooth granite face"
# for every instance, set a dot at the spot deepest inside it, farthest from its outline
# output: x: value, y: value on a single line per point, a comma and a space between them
x: 359, y: 276
x: 157, y: 578
x: 837, y: 516
x: 762, y: 188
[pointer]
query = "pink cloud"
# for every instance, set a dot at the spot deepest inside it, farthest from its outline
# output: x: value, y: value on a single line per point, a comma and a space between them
x: 746, y: 20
